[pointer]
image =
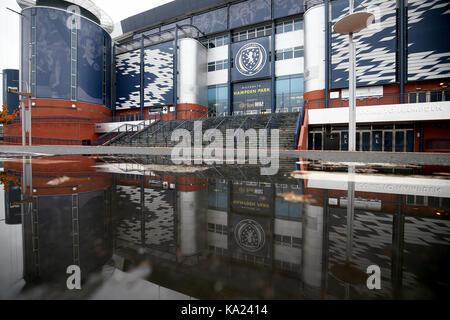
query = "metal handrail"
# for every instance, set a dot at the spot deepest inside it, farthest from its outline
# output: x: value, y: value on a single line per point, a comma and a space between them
x: 204, y: 115
x: 147, y: 127
x: 121, y: 134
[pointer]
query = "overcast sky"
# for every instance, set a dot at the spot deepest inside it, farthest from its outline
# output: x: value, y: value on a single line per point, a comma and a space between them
x: 9, y: 25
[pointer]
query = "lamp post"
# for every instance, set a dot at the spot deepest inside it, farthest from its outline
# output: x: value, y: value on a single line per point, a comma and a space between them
x: 25, y: 115
x: 350, y: 24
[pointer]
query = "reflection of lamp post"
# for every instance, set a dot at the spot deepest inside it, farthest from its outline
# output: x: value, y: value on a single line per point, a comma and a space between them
x: 354, y: 22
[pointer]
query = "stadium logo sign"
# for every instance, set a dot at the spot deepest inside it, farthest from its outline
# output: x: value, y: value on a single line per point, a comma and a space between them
x: 249, y: 235
x: 251, y: 59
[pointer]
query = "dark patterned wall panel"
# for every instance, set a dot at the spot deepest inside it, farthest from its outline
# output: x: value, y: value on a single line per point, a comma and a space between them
x: 428, y: 43
x: 128, y: 76
x: 158, y: 80
x: 375, y: 46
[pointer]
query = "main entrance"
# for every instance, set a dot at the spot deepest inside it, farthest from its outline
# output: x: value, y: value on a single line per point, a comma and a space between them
x: 387, y: 138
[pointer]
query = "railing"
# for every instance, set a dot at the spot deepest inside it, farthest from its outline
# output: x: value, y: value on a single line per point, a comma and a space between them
x: 188, y: 120
x: 385, y: 99
x: 119, y: 132
x: 17, y: 140
x: 155, y: 117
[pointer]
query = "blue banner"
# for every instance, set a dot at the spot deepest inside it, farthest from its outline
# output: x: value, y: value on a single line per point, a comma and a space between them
x: 90, y: 62
x: 249, y: 12
x: 53, y: 54
x: 251, y: 59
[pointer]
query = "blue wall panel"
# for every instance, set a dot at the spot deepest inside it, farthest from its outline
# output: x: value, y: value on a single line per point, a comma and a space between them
x: 10, y: 80
x: 211, y: 22
x: 90, y: 62
x: 284, y: 8
x: 128, y: 79
x: 53, y: 54
x: 158, y: 77
x: 249, y: 12
x: 375, y: 46
x: 428, y: 42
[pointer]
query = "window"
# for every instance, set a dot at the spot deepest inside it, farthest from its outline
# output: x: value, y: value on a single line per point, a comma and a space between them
x: 289, y: 53
x: 251, y: 33
x: 289, y: 25
x: 216, y: 42
x: 217, y: 65
x: 289, y: 93
x: 218, y: 100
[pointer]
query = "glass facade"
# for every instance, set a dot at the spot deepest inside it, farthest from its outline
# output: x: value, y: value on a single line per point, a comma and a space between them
x: 218, y: 100
x: 289, y: 93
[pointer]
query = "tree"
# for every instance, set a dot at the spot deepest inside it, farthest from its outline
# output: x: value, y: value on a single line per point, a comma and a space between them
x: 5, y: 117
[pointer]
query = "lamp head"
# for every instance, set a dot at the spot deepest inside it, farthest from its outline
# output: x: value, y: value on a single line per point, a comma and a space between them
x: 354, y: 22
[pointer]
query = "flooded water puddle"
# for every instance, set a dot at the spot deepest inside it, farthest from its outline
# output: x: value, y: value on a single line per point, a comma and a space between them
x: 141, y: 228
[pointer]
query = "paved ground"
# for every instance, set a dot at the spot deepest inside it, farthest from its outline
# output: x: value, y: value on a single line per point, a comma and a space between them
x: 338, y: 156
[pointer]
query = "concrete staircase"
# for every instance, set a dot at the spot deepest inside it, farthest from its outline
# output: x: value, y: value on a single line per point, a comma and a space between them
x: 159, y: 135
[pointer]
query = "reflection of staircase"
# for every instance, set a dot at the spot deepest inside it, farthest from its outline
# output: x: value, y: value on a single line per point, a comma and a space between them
x: 159, y: 134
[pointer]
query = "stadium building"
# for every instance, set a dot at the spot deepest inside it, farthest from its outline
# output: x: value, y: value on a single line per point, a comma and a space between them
x: 237, y: 64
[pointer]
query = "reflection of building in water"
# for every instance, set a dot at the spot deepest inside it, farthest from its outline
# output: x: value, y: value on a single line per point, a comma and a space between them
x: 250, y: 228
x: 66, y: 216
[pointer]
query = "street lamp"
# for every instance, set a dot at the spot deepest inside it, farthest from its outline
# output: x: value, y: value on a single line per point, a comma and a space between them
x: 26, y: 115
x: 350, y: 24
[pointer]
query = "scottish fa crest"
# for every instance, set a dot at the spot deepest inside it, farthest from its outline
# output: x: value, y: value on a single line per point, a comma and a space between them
x: 249, y: 235
x: 251, y: 59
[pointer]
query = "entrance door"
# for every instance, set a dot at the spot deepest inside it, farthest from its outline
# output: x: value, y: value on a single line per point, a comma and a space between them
x: 331, y: 141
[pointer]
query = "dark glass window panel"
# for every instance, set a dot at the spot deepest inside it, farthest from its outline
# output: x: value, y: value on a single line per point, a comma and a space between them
x: 344, y: 141
x: 243, y: 36
x: 412, y: 98
x: 219, y: 65
x: 366, y: 141
x: 409, y: 141
x: 288, y: 26
x: 435, y: 96
x: 268, y: 31
x: 288, y: 54
x: 387, y: 141
x: 279, y: 28
x: 251, y: 34
x: 400, y: 141
x: 279, y: 55
x: 226, y: 40
x: 433, y: 202
x: 377, y: 140
x: 298, y: 52
x: 318, y: 141
x: 358, y: 144
x: 447, y: 95
x: 422, y: 97
x: 260, y: 32
x: 310, y: 141
x: 420, y: 200
x: 298, y: 24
